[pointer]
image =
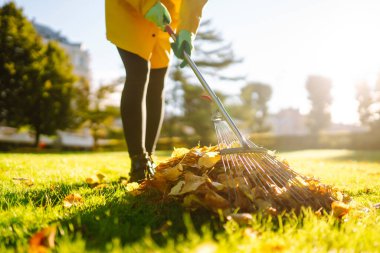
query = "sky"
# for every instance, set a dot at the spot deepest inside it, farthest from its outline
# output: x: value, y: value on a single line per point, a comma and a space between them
x: 282, y: 42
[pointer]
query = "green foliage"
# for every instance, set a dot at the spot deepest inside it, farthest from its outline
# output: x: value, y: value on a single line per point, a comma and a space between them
x: 319, y: 90
x: 364, y: 98
x: 369, y: 106
x: 253, y: 110
x: 80, y: 102
x: 113, y: 220
x: 198, y: 114
x: 36, y: 80
x: 212, y: 55
x: 375, y: 124
x: 50, y: 107
x: 20, y: 57
x: 98, y: 115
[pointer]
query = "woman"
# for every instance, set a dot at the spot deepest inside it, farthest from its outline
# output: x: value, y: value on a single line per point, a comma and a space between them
x: 137, y: 27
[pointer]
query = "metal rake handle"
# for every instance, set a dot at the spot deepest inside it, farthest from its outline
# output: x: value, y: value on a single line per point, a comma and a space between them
x: 212, y: 94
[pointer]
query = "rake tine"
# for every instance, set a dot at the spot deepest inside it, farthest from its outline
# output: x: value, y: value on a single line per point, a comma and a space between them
x: 293, y: 179
x: 302, y: 198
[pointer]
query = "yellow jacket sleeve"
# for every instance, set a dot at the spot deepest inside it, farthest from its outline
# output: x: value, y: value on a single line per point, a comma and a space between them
x: 190, y: 15
x: 142, y: 6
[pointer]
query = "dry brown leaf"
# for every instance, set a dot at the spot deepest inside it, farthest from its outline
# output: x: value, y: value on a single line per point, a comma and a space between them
x: 92, y: 180
x: 74, y: 199
x: 241, y: 218
x: 209, y: 159
x: 215, y: 201
x: 100, y: 177
x: 218, y: 186
x: 179, y: 152
x: 123, y: 181
x: 250, y: 233
x: 163, y: 228
x: 180, y: 175
x: 262, y: 204
x: 100, y: 186
x: 43, y: 240
x: 24, y: 181
x: 192, y: 201
x: 171, y: 173
x: 339, y: 209
x: 192, y: 182
x: 95, y: 180
x: 133, y: 189
x: 176, y: 190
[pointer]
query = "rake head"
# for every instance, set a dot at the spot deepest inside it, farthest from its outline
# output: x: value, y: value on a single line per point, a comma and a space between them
x: 256, y: 179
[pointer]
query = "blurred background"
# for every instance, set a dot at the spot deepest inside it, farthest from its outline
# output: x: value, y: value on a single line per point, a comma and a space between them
x: 294, y: 74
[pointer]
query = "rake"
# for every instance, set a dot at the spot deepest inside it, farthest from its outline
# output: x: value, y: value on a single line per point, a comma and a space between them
x: 251, y: 170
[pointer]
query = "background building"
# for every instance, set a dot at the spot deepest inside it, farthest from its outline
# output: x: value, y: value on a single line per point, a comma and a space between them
x: 80, y: 57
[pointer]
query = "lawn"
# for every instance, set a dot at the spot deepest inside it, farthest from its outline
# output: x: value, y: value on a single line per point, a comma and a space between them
x: 112, y: 219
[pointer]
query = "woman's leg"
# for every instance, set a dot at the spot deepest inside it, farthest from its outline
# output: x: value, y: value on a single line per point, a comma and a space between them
x: 155, y: 102
x: 133, y: 109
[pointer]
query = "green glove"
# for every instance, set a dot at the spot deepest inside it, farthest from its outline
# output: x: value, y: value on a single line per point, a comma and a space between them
x: 184, y: 42
x: 159, y: 15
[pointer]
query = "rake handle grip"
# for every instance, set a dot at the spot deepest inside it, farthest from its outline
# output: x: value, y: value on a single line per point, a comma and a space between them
x: 170, y: 31
x: 212, y: 94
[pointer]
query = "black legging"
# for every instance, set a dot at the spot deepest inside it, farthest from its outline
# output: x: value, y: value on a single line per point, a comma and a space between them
x: 142, y: 103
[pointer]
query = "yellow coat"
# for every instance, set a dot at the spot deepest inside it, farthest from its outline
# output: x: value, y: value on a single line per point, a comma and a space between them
x: 128, y: 29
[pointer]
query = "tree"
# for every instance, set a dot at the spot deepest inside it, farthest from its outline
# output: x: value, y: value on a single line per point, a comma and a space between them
x: 365, y: 100
x: 375, y: 120
x: 50, y: 104
x: 197, y: 113
x: 20, y: 55
x: 319, y: 90
x: 80, y: 102
x: 253, y: 111
x: 98, y: 114
x: 37, y: 83
x: 212, y: 55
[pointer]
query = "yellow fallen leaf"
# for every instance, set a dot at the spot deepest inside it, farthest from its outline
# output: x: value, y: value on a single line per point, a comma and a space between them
x: 133, y: 188
x: 206, y: 247
x: 43, y: 240
x: 96, y: 179
x: 209, y: 160
x: 163, y: 228
x: 250, y: 233
x: 100, y: 177
x: 171, y: 173
x: 100, y: 186
x: 92, y: 180
x: 217, y: 186
x: 339, y: 209
x: 241, y: 218
x: 24, y: 181
x: 176, y: 190
x: 72, y: 200
x: 262, y: 204
x: 192, y: 182
x: 192, y: 201
x: 178, y: 152
x: 215, y: 201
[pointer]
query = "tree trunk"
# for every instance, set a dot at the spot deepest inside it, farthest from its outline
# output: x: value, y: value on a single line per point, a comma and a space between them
x: 95, y: 136
x: 37, y: 137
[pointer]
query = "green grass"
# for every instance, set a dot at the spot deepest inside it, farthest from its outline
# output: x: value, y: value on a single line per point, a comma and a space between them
x: 113, y: 220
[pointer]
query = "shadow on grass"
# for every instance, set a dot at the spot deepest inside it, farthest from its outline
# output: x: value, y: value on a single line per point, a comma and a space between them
x: 130, y: 218
x: 38, y: 197
x: 358, y: 155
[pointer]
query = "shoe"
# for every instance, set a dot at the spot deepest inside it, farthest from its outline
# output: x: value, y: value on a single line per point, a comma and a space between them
x: 141, y: 168
x: 151, y: 168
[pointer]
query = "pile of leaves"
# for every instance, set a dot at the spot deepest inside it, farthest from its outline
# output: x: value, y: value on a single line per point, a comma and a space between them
x: 197, y: 178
